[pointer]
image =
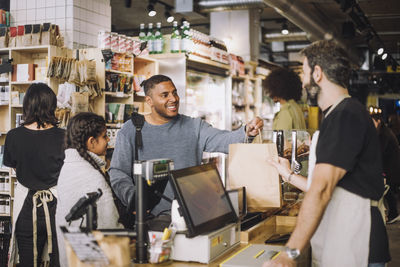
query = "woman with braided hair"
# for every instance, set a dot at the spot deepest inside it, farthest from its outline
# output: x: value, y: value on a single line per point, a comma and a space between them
x: 86, y: 140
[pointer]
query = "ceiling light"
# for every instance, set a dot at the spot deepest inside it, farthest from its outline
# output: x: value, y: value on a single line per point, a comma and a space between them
x: 380, y: 51
x: 384, y: 56
x: 284, y: 29
x: 152, y: 11
x: 169, y: 17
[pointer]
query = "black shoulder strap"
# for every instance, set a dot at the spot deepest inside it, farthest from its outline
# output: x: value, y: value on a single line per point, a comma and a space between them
x: 138, y: 121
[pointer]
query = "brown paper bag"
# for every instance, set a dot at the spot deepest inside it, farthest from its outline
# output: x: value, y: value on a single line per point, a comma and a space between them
x: 248, y: 166
x: 80, y: 102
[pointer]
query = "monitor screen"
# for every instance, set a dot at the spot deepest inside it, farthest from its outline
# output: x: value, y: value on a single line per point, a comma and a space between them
x: 201, y: 195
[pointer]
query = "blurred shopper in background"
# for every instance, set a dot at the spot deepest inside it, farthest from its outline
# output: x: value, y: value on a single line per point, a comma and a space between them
x: 394, y: 125
x: 284, y: 86
x: 35, y: 151
x: 390, y: 152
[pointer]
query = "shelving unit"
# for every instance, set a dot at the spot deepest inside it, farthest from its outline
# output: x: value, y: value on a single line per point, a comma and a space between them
x: 140, y: 66
x: 246, y: 99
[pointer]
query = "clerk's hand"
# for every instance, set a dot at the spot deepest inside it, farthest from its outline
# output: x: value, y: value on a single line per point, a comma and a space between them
x: 281, y: 261
x: 253, y: 126
x: 282, y: 166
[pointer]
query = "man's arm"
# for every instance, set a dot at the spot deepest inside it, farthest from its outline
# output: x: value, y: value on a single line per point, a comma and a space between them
x: 215, y: 140
x: 121, y: 169
x: 325, y: 179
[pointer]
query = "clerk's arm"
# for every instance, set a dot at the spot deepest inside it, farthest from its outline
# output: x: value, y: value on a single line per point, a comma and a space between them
x: 325, y: 179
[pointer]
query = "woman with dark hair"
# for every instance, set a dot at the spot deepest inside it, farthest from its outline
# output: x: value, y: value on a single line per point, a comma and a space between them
x: 35, y: 151
x: 284, y: 86
x: 85, y: 142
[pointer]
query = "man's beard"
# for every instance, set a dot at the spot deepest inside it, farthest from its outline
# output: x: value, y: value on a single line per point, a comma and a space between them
x: 313, y: 90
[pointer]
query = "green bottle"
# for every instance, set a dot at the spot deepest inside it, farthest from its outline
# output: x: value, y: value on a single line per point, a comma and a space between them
x: 150, y: 38
x: 175, y: 38
x: 159, y: 41
x: 186, y: 40
x: 142, y: 33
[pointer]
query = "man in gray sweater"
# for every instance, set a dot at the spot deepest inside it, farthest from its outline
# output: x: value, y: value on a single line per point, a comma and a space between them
x: 168, y: 134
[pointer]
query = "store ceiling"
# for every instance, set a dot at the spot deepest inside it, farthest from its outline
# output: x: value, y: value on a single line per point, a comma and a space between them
x: 383, y: 16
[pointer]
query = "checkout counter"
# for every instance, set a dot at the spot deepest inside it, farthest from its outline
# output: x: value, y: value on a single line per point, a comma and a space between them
x: 205, y: 228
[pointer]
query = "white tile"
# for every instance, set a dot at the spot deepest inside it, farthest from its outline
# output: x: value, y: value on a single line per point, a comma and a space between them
x: 31, y: 14
x: 41, y: 21
x: 83, y: 26
x: 13, y: 5
x: 77, y: 25
x: 50, y: 3
x: 50, y: 12
x: 108, y: 11
x: 31, y: 21
x: 30, y: 4
x: 77, y: 12
x: 77, y: 3
x: 75, y: 36
x: 69, y: 23
x: 60, y: 2
x: 40, y: 3
x: 60, y: 12
x: 40, y: 13
x: 69, y: 2
x: 21, y: 16
x: 21, y: 4
x: 61, y: 23
x: 102, y: 9
x: 89, y: 4
x: 96, y: 8
x: 84, y: 15
x: 69, y: 11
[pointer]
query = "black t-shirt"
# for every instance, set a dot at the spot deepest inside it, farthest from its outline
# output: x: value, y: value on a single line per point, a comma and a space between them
x: 37, y: 156
x: 348, y: 139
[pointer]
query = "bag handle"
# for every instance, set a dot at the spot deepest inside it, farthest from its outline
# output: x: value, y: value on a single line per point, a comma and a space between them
x: 246, y: 138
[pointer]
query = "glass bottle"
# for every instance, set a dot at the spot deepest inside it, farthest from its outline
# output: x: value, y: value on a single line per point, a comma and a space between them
x: 175, y: 38
x: 158, y: 40
x: 150, y: 38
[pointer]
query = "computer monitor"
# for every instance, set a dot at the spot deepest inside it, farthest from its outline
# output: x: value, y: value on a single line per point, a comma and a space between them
x: 202, y: 198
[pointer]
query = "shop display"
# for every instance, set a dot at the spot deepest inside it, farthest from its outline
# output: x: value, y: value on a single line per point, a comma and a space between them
x: 158, y: 42
x: 150, y: 38
x: 186, y: 38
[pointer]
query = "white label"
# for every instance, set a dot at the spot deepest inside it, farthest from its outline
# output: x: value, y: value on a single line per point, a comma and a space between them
x: 186, y: 45
x: 158, y: 44
x: 150, y: 45
x: 137, y: 169
x: 175, y: 44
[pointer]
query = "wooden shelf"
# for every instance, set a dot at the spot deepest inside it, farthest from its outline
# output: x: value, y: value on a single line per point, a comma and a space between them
x: 192, y: 58
x: 4, y: 215
x: 118, y: 94
x: 3, y: 132
x: 16, y: 105
x: 27, y: 82
x: 3, y: 104
x: 4, y: 81
x: 8, y: 193
x: 32, y: 49
x: 241, y: 78
x: 4, y: 170
x: 120, y: 72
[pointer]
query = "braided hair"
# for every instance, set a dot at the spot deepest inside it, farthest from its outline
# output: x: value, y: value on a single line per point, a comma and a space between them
x: 80, y: 128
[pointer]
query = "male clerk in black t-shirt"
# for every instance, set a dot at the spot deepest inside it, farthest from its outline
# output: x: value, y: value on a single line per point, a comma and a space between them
x: 339, y: 214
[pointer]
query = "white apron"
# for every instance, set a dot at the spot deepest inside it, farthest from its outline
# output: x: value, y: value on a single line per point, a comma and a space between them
x: 20, y: 194
x: 342, y: 237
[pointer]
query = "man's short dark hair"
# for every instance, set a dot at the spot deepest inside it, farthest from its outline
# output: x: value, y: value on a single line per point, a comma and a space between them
x: 283, y: 83
x: 332, y: 59
x: 39, y: 105
x: 153, y: 81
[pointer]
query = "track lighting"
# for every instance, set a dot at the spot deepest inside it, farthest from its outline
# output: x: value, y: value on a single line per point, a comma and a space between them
x: 151, y: 10
x: 380, y: 51
x: 169, y: 17
x: 384, y: 56
x: 285, y: 30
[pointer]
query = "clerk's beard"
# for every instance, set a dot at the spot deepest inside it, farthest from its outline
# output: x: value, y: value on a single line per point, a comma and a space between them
x: 313, y: 91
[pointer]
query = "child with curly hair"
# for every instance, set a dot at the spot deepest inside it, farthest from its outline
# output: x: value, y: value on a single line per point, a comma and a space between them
x: 86, y: 140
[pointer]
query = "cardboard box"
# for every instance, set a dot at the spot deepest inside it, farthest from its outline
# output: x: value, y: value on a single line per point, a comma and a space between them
x: 23, y: 73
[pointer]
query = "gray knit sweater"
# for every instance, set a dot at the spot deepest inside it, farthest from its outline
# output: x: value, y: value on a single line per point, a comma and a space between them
x: 183, y: 140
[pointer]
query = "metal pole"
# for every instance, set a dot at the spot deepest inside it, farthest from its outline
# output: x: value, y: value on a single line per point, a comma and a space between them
x: 140, y: 205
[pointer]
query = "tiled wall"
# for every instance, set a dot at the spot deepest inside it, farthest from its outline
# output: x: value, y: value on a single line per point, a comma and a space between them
x: 79, y: 20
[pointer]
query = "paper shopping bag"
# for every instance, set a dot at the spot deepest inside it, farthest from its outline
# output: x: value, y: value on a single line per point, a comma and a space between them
x: 248, y: 166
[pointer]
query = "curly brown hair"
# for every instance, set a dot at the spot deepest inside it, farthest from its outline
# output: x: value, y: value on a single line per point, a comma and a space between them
x: 332, y: 59
x: 283, y: 83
